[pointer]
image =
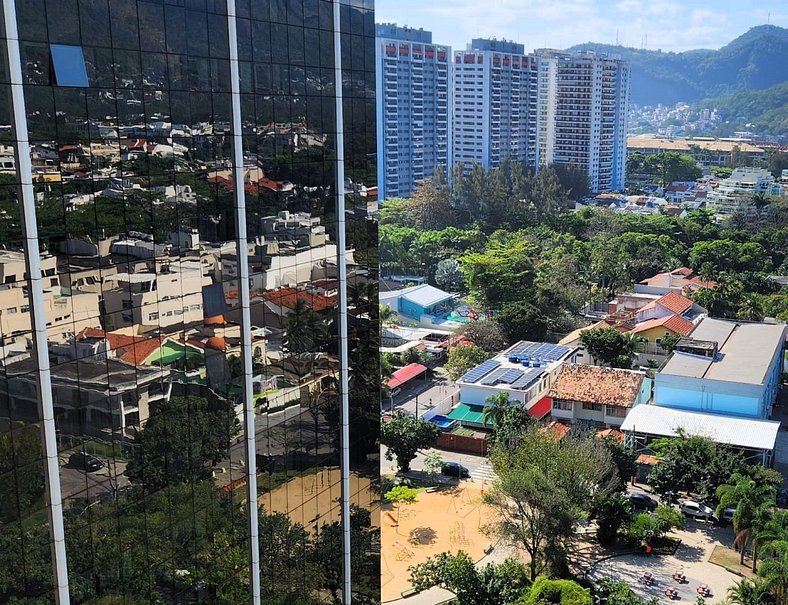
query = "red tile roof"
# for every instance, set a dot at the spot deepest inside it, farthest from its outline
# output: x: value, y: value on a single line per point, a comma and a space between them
x: 402, y: 375
x: 559, y: 430
x: 672, y: 323
x: 673, y: 301
x: 287, y: 297
x: 614, y: 433
x: 594, y: 384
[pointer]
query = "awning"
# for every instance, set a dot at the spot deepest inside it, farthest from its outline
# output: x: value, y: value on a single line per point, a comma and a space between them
x: 541, y: 408
x: 402, y: 375
x: 468, y: 413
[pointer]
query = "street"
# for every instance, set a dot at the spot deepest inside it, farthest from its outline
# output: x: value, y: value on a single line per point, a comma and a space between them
x: 478, y: 466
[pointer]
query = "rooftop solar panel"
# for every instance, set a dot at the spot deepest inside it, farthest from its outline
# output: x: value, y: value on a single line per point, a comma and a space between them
x: 482, y: 369
x: 539, y: 350
x: 529, y: 376
x: 502, y: 375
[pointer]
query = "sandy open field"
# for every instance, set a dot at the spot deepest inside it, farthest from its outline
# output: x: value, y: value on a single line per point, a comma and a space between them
x: 447, y: 520
x: 302, y: 497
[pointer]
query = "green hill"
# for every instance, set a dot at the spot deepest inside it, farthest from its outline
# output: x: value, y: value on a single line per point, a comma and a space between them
x: 762, y: 111
x: 755, y: 60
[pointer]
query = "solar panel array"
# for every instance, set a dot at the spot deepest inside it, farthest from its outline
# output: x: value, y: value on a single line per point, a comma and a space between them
x: 530, y: 375
x: 503, y: 375
x: 540, y: 350
x: 482, y: 369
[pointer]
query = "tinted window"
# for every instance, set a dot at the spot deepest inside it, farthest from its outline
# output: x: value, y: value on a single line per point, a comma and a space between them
x: 68, y: 63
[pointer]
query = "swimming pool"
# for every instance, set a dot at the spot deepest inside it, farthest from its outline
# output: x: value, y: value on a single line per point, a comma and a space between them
x: 455, y: 316
x: 442, y: 422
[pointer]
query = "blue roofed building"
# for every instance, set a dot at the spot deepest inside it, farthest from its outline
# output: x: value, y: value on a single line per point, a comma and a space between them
x: 416, y: 301
x: 724, y: 367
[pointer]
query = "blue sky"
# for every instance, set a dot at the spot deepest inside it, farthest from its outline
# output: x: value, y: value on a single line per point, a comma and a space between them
x: 671, y: 25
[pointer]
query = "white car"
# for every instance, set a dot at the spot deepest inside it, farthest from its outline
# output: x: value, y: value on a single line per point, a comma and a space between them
x: 696, y: 509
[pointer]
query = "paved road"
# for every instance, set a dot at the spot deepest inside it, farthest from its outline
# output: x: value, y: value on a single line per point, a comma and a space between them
x: 423, y: 395
x: 478, y: 466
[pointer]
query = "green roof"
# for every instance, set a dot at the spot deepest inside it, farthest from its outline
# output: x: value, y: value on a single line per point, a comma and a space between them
x: 465, y: 412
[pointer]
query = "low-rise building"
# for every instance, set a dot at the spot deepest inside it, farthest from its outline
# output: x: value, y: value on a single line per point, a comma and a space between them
x: 595, y: 396
x: 416, y: 301
x: 724, y: 367
x: 682, y: 280
x: 736, y: 194
x: 525, y: 372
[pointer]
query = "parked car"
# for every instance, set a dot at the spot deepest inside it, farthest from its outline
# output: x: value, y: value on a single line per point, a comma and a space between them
x: 641, y: 500
x: 696, y: 510
x: 727, y: 515
x: 454, y: 469
x: 85, y: 461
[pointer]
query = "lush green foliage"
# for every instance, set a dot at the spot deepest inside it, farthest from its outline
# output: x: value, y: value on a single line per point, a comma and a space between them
x: 619, y: 593
x: 646, y: 528
x: 493, y: 584
x: 182, y: 440
x: 21, y: 471
x: 405, y: 435
x: 610, y: 513
x: 463, y: 358
x: 545, y: 487
x: 610, y: 347
x: 551, y: 592
x: 666, y: 167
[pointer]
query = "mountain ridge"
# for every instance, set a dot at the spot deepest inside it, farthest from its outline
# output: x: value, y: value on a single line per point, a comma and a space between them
x: 755, y: 60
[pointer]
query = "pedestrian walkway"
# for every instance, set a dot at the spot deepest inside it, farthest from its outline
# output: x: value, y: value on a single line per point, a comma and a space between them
x: 484, y: 472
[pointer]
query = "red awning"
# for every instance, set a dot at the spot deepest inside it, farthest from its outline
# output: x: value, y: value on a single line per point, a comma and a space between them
x: 541, y: 408
x: 402, y: 375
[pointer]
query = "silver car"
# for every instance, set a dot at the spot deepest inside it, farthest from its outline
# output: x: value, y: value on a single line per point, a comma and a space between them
x: 696, y: 509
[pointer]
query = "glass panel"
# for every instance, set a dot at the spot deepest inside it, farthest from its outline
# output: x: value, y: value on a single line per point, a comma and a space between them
x: 69, y: 65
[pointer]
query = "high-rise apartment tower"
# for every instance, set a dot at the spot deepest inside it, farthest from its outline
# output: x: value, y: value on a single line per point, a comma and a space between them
x: 414, y: 108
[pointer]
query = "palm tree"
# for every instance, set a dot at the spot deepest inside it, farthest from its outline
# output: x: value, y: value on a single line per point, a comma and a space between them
x: 748, y: 592
x: 747, y: 497
x: 495, y: 408
x: 774, y: 570
x: 770, y: 536
x: 750, y: 310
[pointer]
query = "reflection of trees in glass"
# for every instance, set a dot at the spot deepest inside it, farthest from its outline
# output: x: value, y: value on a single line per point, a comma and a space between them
x: 182, y: 440
x: 21, y: 471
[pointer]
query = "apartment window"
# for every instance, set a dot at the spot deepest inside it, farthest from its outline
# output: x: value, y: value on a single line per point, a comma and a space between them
x: 616, y: 410
x: 153, y: 316
x: 11, y: 310
x: 562, y: 404
x: 594, y: 407
x: 68, y: 65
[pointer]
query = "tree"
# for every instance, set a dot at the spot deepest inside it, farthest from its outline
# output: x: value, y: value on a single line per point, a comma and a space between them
x: 21, y: 471
x: 668, y: 342
x: 647, y: 528
x: 511, y: 426
x: 401, y: 494
x: 623, y: 458
x: 748, y: 592
x: 448, y: 275
x: 485, y: 334
x: 521, y: 320
x: 182, y: 440
x: 433, y: 463
x: 693, y: 463
x: 493, y: 584
x: 404, y: 435
x: 610, y: 512
x: 504, y: 272
x: 611, y: 347
x: 619, y: 593
x: 495, y: 407
x: 463, y: 358
x: 549, y: 592
x: 544, y: 488
x: 743, y: 494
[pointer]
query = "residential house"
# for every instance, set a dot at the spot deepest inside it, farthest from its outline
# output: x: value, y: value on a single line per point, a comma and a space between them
x: 681, y: 280
x: 415, y: 302
x: 597, y: 396
x: 525, y: 372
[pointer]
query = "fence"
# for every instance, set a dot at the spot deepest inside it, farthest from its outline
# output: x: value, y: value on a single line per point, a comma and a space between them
x: 463, y: 444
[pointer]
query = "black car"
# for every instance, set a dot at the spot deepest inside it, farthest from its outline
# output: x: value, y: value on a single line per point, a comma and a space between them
x: 454, y: 469
x: 641, y: 500
x: 85, y: 461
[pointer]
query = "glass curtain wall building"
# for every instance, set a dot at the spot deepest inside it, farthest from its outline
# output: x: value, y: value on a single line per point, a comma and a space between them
x: 179, y: 282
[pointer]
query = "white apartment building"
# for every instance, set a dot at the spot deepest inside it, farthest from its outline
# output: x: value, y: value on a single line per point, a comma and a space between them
x: 66, y: 311
x: 148, y: 300
x: 735, y: 194
x: 494, y: 104
x: 582, y: 105
x: 413, y: 108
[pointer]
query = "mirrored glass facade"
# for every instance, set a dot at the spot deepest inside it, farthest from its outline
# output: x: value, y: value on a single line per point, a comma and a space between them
x: 146, y: 383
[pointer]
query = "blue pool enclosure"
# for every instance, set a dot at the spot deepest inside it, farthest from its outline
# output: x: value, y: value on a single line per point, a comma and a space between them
x: 442, y: 422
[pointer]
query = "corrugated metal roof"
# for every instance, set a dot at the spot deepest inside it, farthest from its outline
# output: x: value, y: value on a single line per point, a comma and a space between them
x: 741, y: 432
x: 402, y: 375
x: 426, y: 295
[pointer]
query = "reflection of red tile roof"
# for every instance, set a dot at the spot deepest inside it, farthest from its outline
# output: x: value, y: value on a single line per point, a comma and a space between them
x: 287, y: 297
x: 614, y: 433
x: 541, y: 408
x: 559, y: 430
x: 131, y: 349
x: 594, y: 384
x: 672, y: 323
x: 402, y: 375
